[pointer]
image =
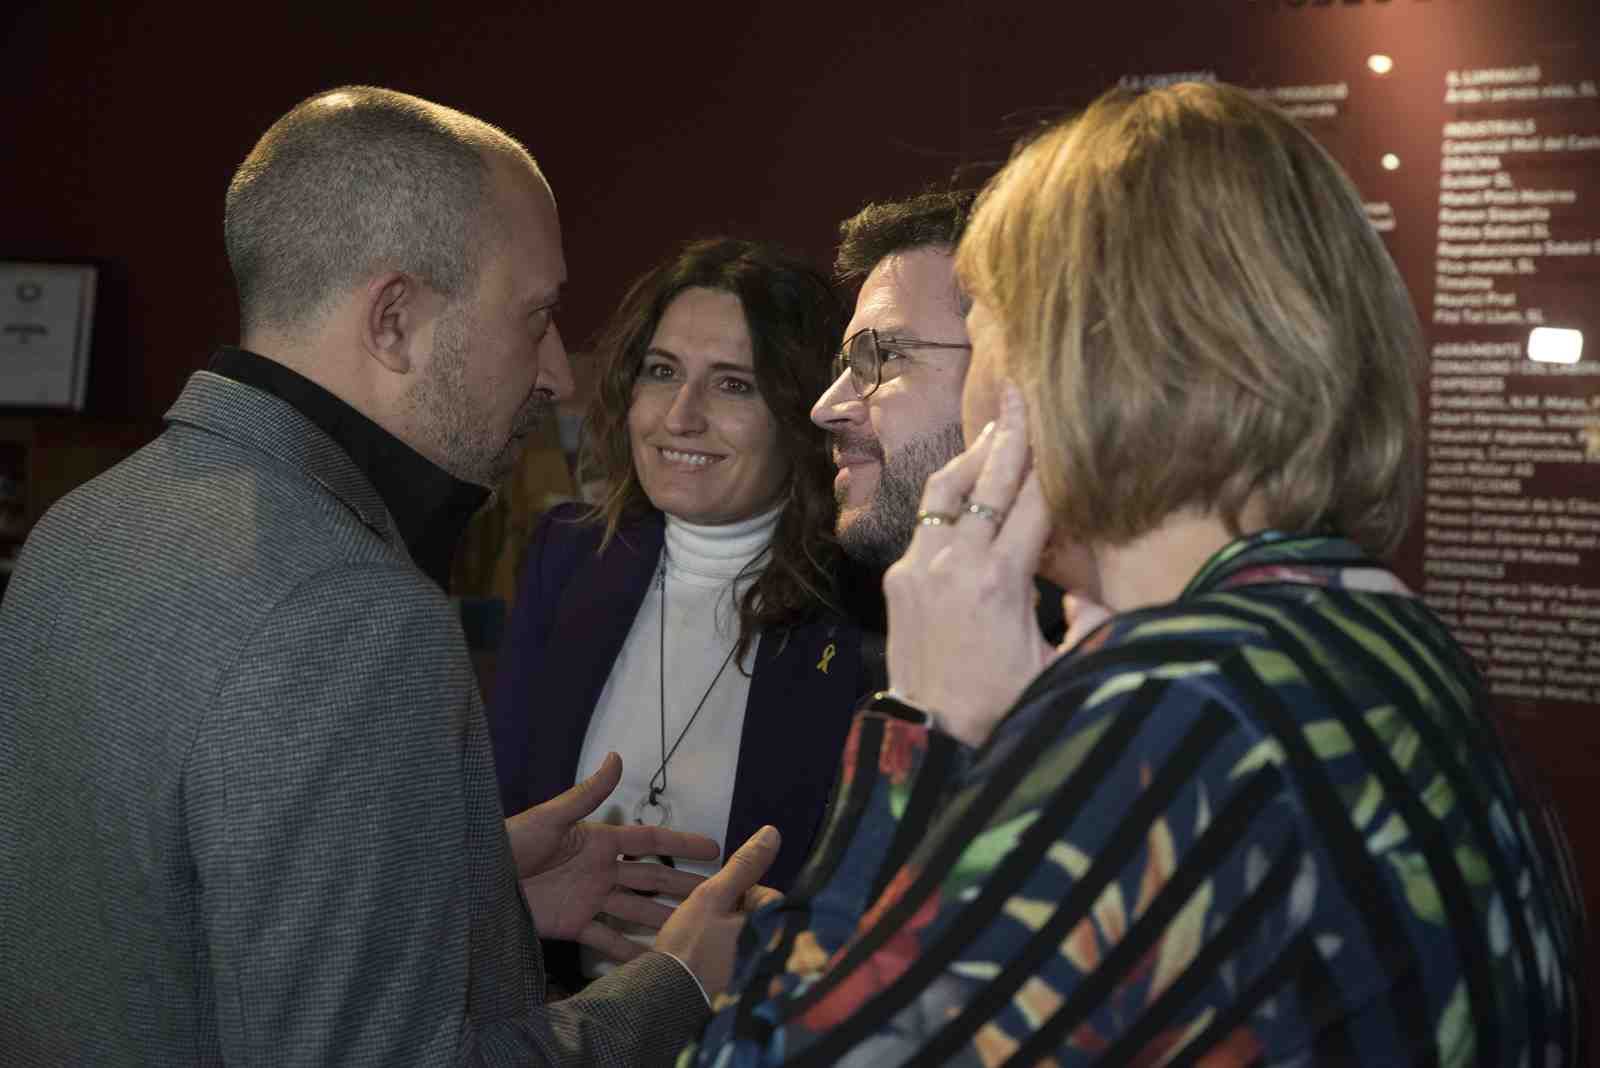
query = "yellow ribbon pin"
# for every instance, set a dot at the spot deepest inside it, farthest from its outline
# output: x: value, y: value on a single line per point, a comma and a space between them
x: 827, y: 655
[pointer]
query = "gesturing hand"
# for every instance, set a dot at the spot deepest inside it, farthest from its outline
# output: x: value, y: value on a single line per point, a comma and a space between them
x: 572, y: 871
x: 964, y: 640
x: 704, y: 932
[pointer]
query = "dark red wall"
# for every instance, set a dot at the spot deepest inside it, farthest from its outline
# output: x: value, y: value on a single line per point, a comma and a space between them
x: 122, y: 123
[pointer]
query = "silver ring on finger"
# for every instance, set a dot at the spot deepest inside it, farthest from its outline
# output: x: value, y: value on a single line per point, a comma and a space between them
x: 983, y: 511
x: 937, y: 519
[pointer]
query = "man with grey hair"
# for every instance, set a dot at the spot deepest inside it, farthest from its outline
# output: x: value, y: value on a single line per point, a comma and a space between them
x: 248, y: 810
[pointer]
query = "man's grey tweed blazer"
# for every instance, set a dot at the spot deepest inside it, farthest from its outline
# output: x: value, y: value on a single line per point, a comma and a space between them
x: 247, y: 805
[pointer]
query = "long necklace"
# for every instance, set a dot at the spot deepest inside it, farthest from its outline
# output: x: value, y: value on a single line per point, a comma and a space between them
x: 658, y: 782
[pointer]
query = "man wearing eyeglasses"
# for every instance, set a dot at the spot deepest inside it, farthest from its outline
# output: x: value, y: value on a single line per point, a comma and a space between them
x: 893, y: 412
x: 894, y: 408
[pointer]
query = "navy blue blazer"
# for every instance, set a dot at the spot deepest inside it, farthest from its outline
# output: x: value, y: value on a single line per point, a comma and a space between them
x: 573, y: 611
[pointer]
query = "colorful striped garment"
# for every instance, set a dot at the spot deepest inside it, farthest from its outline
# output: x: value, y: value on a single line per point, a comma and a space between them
x: 1269, y: 823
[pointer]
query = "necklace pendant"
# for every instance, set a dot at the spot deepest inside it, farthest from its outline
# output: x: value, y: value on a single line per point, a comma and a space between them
x: 653, y: 813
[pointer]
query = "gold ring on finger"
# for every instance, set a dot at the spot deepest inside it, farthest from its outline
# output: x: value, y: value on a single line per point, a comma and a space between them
x: 936, y: 519
x: 983, y: 511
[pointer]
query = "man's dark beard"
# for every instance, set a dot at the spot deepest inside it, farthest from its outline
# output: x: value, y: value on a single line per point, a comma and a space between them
x: 880, y: 532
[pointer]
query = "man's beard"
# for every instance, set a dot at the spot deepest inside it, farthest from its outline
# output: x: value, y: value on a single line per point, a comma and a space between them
x: 879, y: 532
x: 454, y: 430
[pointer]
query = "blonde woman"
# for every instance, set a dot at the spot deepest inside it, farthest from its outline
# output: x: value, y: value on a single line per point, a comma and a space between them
x: 1259, y: 815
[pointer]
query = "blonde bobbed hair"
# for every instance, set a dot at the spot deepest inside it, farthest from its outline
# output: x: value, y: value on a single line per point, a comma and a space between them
x: 1200, y: 316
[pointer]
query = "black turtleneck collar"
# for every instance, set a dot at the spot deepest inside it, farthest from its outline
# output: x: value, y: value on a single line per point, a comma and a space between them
x: 431, y: 508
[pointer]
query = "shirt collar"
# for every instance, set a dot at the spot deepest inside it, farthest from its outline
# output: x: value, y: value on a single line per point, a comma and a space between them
x: 1271, y: 556
x: 431, y: 508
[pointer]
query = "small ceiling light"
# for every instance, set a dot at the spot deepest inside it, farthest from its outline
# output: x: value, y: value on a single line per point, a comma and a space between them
x: 1554, y: 344
x: 1391, y: 162
x: 1379, y: 63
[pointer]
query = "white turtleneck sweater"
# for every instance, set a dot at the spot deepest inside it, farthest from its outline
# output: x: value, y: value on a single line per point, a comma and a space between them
x: 701, y: 564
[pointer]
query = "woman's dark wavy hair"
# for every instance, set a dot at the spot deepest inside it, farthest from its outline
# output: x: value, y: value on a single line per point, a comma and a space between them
x: 795, y: 321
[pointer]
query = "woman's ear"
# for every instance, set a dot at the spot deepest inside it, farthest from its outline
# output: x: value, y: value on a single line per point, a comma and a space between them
x: 1070, y: 565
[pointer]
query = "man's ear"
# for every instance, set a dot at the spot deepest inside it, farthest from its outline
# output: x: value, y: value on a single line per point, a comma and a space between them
x: 395, y: 310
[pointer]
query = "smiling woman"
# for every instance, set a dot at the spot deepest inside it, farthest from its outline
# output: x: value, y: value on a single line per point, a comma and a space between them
x: 687, y: 622
x: 705, y: 444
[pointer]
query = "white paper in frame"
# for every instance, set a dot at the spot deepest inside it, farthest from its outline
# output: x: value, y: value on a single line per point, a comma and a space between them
x: 46, y: 319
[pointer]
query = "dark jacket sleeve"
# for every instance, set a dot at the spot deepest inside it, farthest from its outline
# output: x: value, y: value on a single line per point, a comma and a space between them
x: 521, y: 659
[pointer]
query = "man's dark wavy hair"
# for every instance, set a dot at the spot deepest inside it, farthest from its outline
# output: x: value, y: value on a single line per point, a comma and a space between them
x: 935, y: 218
x: 795, y: 320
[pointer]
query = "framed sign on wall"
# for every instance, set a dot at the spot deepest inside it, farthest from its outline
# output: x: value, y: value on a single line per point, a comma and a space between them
x: 46, y: 319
